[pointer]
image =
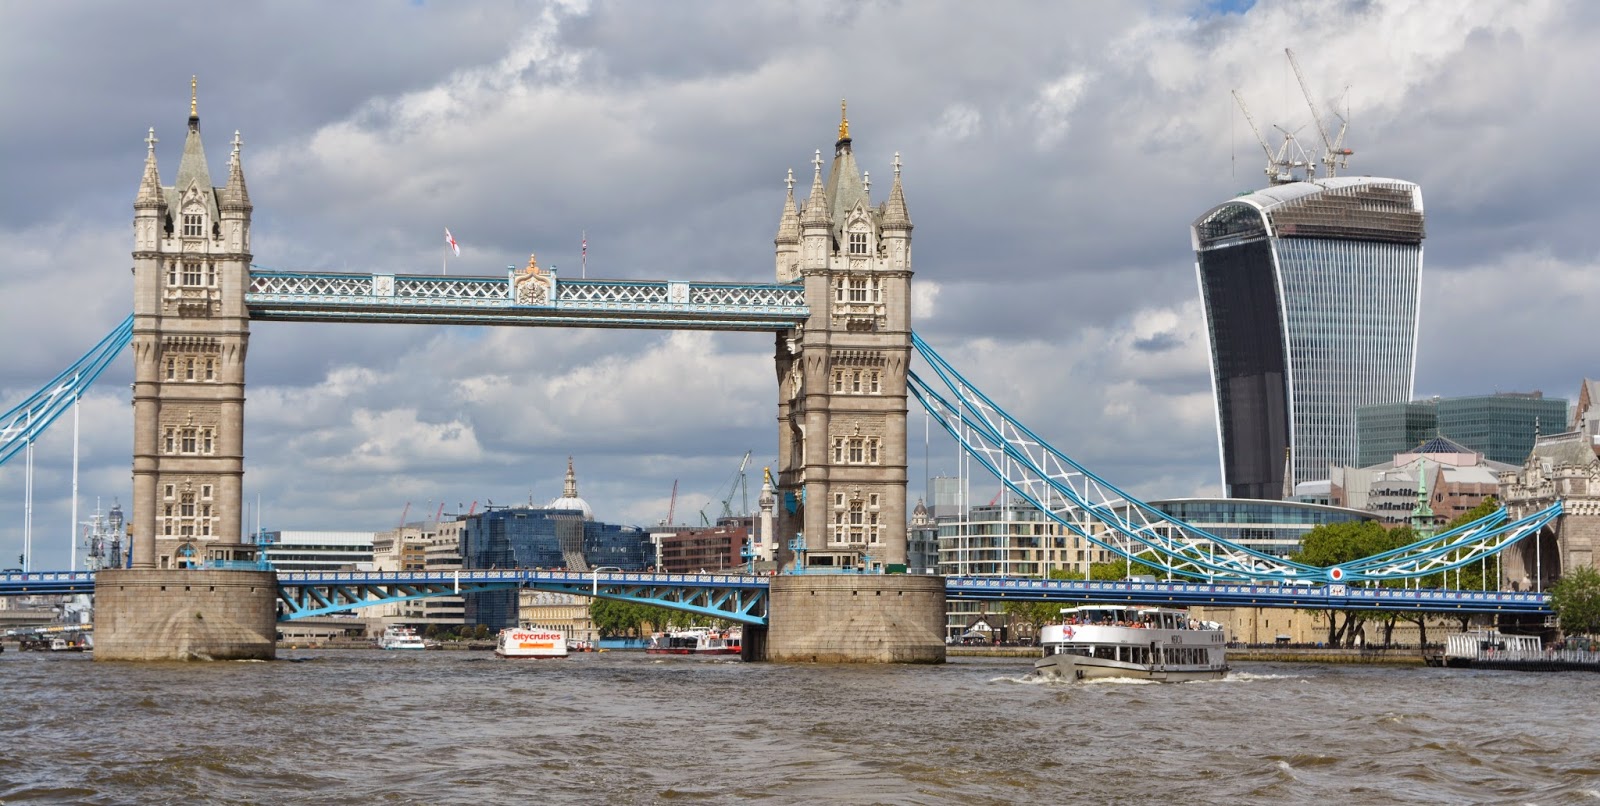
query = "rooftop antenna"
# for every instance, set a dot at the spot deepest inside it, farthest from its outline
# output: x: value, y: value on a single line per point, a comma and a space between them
x: 1334, y: 154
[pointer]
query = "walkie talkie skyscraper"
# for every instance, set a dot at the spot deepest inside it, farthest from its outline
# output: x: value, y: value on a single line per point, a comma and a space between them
x: 1310, y: 291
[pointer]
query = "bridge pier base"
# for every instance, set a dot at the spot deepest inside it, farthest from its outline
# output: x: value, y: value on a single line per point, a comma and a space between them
x: 856, y: 618
x: 184, y: 614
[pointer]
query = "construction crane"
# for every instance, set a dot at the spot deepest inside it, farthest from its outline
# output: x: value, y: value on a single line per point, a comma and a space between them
x: 404, y: 513
x: 1334, y: 154
x: 672, y: 505
x: 1281, y: 166
x: 735, y: 485
x: 741, y: 486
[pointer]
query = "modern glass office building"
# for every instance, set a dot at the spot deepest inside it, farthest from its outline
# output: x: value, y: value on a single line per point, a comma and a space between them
x: 1310, y: 292
x: 1501, y: 426
x: 531, y: 537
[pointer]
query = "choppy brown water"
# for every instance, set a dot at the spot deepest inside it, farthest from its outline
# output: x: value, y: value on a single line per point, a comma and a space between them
x: 464, y: 727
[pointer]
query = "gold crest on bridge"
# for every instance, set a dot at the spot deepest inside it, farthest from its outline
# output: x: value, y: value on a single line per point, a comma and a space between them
x: 533, y: 285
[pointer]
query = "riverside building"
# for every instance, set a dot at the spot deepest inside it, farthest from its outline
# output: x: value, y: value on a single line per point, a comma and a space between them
x: 1310, y: 292
x: 560, y: 536
x: 1501, y: 426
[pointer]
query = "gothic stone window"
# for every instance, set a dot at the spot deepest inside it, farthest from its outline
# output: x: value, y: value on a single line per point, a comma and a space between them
x: 856, y: 290
x: 193, y: 225
x: 858, y: 243
x: 856, y: 450
x: 191, y: 273
x: 858, y: 381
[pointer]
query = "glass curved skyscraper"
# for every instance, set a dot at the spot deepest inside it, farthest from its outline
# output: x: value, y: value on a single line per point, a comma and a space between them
x: 1310, y: 292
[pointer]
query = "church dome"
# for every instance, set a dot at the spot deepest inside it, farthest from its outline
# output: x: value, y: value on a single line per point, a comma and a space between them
x: 569, y: 496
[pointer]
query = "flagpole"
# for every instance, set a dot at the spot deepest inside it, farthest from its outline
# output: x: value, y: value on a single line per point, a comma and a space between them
x: 584, y: 267
x: 445, y: 259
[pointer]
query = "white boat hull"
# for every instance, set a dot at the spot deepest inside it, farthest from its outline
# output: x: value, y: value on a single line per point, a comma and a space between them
x: 1076, y: 667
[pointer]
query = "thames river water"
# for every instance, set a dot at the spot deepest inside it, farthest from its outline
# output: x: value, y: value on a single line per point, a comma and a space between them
x: 623, y: 727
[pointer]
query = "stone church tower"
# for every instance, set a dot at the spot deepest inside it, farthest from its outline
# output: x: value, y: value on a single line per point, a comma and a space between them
x: 842, y: 377
x: 191, y: 263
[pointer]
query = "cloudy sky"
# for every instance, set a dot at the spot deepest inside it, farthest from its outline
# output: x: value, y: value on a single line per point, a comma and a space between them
x: 1055, y: 155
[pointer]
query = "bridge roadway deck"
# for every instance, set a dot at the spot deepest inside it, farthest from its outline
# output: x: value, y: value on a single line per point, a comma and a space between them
x: 742, y: 598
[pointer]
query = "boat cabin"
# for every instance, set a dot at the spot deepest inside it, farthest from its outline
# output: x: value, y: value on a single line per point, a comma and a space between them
x: 1138, y: 617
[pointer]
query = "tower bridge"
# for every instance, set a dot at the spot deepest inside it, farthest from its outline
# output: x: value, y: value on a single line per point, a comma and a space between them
x: 838, y: 307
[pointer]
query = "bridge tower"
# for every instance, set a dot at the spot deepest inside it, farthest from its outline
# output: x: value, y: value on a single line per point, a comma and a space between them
x: 1562, y: 466
x: 842, y: 376
x: 191, y: 263
x: 841, y: 494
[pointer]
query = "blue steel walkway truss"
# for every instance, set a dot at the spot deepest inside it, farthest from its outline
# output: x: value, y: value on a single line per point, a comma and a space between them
x: 524, y: 299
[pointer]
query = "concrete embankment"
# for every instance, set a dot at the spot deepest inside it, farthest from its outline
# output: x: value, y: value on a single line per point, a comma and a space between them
x: 993, y: 652
x: 1389, y: 657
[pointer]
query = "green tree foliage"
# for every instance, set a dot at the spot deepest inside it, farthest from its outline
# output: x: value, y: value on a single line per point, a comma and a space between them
x: 1339, y: 543
x: 617, y: 618
x: 1576, y: 600
x: 1031, y: 615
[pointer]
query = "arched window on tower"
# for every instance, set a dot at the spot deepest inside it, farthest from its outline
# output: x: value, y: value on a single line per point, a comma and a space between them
x: 194, y: 222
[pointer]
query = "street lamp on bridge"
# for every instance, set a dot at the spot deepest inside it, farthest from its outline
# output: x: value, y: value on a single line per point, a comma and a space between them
x: 594, y: 574
x: 594, y: 593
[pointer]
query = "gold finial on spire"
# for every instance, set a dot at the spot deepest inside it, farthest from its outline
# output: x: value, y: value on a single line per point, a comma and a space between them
x: 194, y: 96
x: 844, y: 122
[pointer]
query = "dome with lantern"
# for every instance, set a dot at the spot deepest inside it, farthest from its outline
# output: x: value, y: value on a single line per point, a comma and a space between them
x: 569, y: 496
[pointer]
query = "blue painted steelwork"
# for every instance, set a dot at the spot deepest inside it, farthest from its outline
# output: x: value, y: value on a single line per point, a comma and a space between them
x: 513, y: 300
x: 1184, y: 594
x: 1087, y: 505
x: 743, y: 598
x: 727, y: 596
x: 47, y: 583
x: 24, y: 422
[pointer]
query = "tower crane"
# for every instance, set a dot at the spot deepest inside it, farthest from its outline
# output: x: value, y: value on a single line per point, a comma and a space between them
x: 1334, y: 154
x: 736, y: 484
x: 1280, y: 166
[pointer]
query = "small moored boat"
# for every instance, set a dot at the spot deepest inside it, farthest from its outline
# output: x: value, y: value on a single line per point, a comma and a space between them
x: 1145, y: 643
x: 398, y: 636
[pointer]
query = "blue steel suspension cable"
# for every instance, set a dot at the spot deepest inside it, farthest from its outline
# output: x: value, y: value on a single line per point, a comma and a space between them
x: 25, y: 421
x: 1468, y: 542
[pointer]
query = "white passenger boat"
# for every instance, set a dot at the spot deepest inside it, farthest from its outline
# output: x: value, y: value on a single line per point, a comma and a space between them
x: 527, y: 642
x: 1146, y: 643
x: 697, y: 641
x: 719, y: 642
x: 398, y: 636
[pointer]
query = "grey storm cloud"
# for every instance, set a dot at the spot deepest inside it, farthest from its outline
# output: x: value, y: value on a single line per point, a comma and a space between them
x: 1054, y: 156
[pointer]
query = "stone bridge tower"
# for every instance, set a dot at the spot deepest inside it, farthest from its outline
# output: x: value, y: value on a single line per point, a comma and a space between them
x: 842, y: 377
x: 191, y: 262
x: 1562, y: 466
x: 189, y: 592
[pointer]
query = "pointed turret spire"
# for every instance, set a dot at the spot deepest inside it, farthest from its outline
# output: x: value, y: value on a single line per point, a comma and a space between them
x: 192, y: 168
x: 789, y: 222
x: 234, y: 195
x: 894, y: 213
x: 816, y: 211
x: 571, y: 488
x: 1422, y: 513
x: 150, y: 185
x: 845, y: 189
